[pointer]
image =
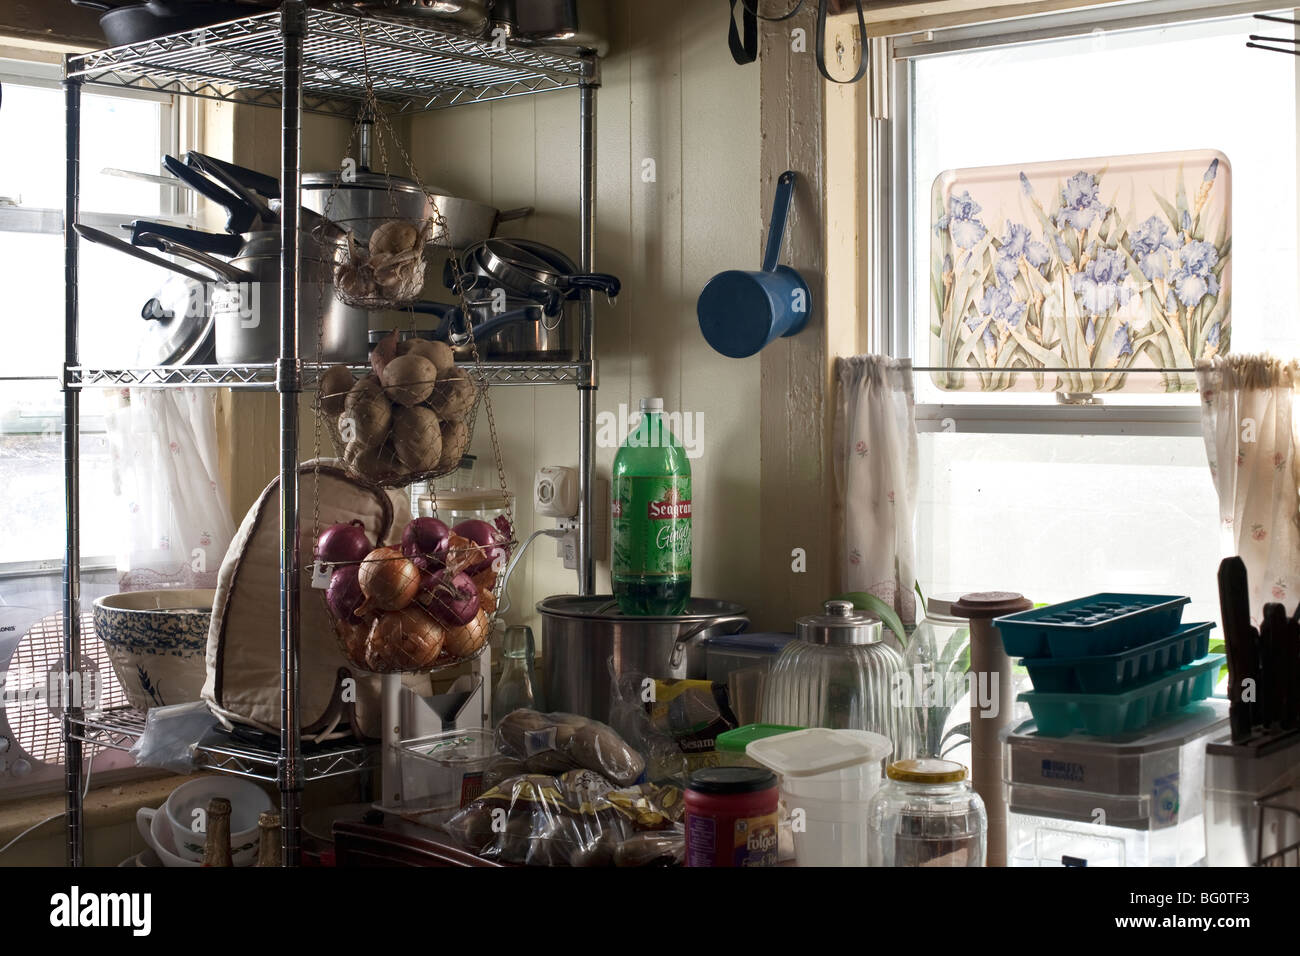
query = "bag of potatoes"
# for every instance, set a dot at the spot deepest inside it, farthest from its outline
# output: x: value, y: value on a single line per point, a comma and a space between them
x: 555, y: 743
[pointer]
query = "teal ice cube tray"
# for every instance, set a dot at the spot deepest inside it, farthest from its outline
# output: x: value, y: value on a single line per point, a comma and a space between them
x: 1088, y: 626
x: 1109, y: 673
x: 1105, y: 715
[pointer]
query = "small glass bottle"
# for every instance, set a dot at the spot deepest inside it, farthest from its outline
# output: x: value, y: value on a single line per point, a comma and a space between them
x: 216, y: 839
x: 515, y: 689
x: 926, y: 815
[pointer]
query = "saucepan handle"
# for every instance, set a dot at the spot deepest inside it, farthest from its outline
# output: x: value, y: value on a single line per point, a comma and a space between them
x: 679, y: 646
x: 780, y: 212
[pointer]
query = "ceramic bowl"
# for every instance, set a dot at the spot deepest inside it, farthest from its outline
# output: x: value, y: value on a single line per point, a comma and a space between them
x: 156, y: 641
x: 157, y: 832
x: 247, y: 802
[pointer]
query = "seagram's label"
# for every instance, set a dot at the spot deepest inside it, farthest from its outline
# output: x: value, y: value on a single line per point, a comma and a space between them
x: 652, y: 525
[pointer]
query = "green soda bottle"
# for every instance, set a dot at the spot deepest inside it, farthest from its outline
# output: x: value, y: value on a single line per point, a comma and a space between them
x: 651, y: 562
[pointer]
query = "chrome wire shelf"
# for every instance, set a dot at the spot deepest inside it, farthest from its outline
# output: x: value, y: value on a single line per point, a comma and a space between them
x: 119, y: 729
x: 262, y: 377
x: 413, y: 65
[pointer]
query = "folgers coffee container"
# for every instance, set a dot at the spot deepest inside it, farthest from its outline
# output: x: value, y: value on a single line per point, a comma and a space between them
x: 731, y: 817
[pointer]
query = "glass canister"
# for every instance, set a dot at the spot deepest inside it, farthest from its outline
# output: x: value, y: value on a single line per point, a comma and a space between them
x: 926, y: 815
x: 937, y: 658
x: 838, y: 673
x: 454, y: 506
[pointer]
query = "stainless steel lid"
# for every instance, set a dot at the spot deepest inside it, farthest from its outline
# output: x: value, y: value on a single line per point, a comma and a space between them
x: 603, y: 607
x: 361, y: 180
x: 841, y: 626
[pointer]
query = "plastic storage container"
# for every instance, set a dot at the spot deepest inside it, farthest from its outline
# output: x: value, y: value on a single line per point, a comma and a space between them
x: 927, y: 815
x: 1098, y: 624
x: 731, y: 744
x: 1238, y: 775
x: 742, y: 662
x: 1108, y: 673
x: 828, y: 778
x: 1106, y: 715
x: 445, y: 771
x: 1137, y: 801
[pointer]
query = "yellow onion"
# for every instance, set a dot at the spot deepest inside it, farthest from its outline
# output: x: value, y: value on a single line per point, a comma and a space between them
x: 406, y: 640
x: 388, y: 580
x: 465, y: 640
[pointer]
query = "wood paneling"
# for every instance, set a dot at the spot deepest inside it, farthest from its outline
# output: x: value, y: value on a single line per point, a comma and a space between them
x: 670, y: 94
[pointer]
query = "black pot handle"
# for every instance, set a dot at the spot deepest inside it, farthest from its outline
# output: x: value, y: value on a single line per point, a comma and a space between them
x: 746, y: 50
x: 598, y: 281
x: 213, y: 243
x: 821, y: 42
x: 242, y: 214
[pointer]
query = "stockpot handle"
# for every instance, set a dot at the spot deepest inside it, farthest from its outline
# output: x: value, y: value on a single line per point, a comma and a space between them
x: 679, y: 646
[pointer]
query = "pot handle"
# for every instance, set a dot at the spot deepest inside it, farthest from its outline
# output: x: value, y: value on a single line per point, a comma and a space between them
x: 780, y: 212
x: 223, y: 269
x: 679, y: 646
x: 241, y: 216
x: 599, y: 281
x: 530, y: 313
x: 104, y: 239
x: 519, y: 212
x: 143, y: 232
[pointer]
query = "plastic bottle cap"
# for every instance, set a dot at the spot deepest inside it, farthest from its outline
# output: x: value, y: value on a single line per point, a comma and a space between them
x: 652, y: 405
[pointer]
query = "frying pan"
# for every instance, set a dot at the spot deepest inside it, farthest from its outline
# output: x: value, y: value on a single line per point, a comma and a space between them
x: 125, y: 23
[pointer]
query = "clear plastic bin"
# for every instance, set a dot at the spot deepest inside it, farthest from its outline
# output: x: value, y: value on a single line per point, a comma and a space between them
x: 1134, y: 801
x: 445, y: 771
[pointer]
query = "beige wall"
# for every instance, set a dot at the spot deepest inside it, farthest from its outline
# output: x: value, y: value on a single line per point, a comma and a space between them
x: 670, y: 93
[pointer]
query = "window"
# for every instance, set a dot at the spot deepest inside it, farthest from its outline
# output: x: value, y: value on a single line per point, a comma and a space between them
x: 1116, y: 494
x: 122, y: 135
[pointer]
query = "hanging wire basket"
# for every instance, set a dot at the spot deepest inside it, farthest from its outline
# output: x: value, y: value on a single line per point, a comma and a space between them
x: 417, y: 608
x: 430, y: 603
x: 385, y: 271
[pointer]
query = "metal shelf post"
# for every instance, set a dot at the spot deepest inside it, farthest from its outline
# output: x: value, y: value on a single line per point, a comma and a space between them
x: 587, y: 392
x: 72, y: 755
x: 293, y: 23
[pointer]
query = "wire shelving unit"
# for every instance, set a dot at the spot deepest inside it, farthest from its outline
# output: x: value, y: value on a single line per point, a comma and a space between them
x: 301, y: 59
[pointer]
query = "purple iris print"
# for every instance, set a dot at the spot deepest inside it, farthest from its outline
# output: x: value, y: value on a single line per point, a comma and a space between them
x: 1018, y: 243
x: 962, y: 222
x: 1101, y: 285
x: 1195, y: 278
x: 1151, y: 247
x: 1081, y: 206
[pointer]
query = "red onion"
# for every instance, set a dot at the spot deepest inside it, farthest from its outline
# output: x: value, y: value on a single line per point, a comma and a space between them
x: 486, y: 537
x: 452, y: 598
x: 424, y: 541
x: 343, y: 543
x: 344, y: 593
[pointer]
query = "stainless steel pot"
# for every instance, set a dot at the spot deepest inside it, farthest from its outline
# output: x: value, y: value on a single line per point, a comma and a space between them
x: 587, y: 644
x: 464, y: 16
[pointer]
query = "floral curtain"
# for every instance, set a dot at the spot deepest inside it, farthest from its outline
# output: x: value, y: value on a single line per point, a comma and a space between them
x: 176, y: 519
x: 876, y: 478
x: 1250, y: 431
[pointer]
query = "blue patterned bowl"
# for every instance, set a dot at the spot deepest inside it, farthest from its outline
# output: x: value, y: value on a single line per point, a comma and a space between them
x: 156, y: 641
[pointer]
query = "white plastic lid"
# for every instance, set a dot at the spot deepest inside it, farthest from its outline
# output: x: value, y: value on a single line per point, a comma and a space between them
x: 806, y: 753
x: 652, y: 405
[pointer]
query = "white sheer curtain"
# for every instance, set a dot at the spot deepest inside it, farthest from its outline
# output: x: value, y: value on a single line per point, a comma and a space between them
x: 1250, y: 428
x: 876, y: 479
x: 175, y: 517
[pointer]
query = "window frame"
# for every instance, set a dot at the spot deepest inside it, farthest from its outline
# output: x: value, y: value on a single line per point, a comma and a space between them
x: 175, y: 205
x: 890, y: 187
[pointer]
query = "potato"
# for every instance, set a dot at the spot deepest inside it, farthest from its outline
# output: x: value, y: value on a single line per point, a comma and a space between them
x: 376, y: 464
x: 363, y: 390
x: 455, y: 442
x: 408, y: 379
x: 515, y: 727
x: 453, y: 395
x: 366, y: 421
x: 598, y: 748
x: 417, y: 438
x: 439, y: 353
x: 334, y: 387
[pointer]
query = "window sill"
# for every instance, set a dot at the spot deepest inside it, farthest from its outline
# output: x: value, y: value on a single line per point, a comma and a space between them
x: 104, y: 806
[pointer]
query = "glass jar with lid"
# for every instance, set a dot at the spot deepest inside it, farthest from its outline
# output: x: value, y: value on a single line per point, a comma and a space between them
x: 839, y: 673
x: 937, y: 658
x: 926, y: 815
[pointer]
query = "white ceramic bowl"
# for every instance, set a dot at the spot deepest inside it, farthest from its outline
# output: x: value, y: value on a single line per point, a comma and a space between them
x: 247, y: 801
x: 157, y: 832
x: 156, y: 641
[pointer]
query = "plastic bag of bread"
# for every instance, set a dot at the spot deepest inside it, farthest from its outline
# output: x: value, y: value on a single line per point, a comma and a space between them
x: 576, y: 819
x: 555, y: 743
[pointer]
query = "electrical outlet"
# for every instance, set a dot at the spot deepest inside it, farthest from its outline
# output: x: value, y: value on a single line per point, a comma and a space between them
x: 566, y: 548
